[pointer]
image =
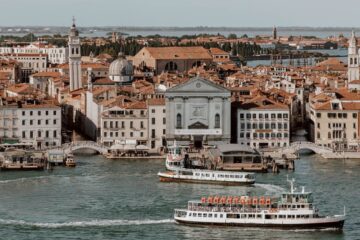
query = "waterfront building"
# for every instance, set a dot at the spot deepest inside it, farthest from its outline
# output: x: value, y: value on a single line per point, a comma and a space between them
x: 197, y: 113
x: 263, y: 123
x: 34, y: 122
x: 125, y: 122
x: 171, y: 59
x: 157, y: 123
x: 334, y: 119
x: 74, y: 58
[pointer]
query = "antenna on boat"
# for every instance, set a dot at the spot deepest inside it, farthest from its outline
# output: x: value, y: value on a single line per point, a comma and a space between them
x: 292, y: 181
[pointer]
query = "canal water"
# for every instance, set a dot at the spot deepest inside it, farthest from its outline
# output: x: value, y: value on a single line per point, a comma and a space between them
x: 103, y: 199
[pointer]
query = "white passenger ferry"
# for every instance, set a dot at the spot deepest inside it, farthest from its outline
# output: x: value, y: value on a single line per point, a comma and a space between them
x: 207, y: 176
x: 294, y: 210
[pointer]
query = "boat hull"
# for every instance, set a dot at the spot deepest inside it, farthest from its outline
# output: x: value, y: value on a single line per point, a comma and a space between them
x: 337, y: 224
x: 198, y: 181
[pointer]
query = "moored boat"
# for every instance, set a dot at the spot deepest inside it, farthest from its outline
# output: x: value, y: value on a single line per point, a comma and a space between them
x: 70, y: 162
x: 294, y: 210
x: 207, y: 176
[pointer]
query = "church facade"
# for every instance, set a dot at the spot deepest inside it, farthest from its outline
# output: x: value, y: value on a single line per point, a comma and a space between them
x: 198, y: 112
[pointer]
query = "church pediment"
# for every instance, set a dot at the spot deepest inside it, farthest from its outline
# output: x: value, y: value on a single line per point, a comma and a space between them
x: 198, y: 125
x: 198, y: 84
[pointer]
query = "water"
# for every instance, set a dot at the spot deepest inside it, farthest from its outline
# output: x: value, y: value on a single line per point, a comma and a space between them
x: 103, y: 199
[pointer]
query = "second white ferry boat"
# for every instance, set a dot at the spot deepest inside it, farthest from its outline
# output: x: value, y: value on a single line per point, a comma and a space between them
x: 207, y: 176
x: 294, y: 210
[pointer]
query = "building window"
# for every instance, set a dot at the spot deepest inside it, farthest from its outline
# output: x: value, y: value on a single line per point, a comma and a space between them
x: 153, y: 121
x: 39, y: 113
x: 318, y: 125
x: 31, y: 113
x: 23, y: 113
x: 23, y: 134
x: 217, y: 121
x: 153, y: 110
x: 54, y: 121
x: 318, y: 135
x: 178, y: 121
x: 46, y: 113
x: 54, y: 113
x: 131, y: 134
x: 164, y: 121
x: 152, y: 133
x: 31, y: 134
x: 54, y: 134
x: 47, y: 133
x: 354, y: 115
x: 39, y: 133
x: 241, y: 116
x: 141, y: 124
x: 131, y: 124
x: 31, y: 122
x: 23, y: 122
x: 39, y: 122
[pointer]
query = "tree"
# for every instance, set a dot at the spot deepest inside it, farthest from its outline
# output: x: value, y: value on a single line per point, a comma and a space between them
x: 232, y: 36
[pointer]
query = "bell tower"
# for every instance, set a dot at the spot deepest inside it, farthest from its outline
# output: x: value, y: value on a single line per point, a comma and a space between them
x: 353, y: 59
x: 74, y: 58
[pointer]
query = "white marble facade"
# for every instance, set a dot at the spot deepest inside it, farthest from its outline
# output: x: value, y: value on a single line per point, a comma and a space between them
x: 198, y: 112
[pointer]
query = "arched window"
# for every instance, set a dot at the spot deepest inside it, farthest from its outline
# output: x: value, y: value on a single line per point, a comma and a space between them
x: 217, y: 121
x: 171, y: 66
x: 178, y: 120
x: 196, y: 64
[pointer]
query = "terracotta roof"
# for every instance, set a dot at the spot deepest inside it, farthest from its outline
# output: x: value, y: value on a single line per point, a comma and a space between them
x: 218, y: 51
x: 46, y: 74
x: 179, y: 53
x: 261, y: 102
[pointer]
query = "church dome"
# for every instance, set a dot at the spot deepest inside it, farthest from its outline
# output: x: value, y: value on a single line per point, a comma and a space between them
x: 161, y: 88
x: 121, y: 70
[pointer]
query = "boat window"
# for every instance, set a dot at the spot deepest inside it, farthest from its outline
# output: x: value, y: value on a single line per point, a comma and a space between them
x: 258, y: 216
x: 199, y: 214
x: 215, y: 215
x: 243, y: 215
x: 221, y: 215
x: 226, y: 176
x: 208, y: 175
x: 231, y: 176
x: 210, y: 215
x: 205, y: 215
x: 189, y: 214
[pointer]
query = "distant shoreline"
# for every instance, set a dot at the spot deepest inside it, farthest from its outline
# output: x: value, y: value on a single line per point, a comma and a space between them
x: 198, y: 28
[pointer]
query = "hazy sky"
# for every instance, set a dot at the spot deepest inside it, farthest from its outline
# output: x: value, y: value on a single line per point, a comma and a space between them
x: 230, y: 13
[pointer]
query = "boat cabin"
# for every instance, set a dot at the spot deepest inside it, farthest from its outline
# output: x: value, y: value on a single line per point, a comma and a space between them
x: 237, y: 157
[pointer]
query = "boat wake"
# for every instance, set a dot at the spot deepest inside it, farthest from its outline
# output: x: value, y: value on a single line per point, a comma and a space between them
x: 270, y: 188
x: 92, y: 223
x: 25, y: 179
